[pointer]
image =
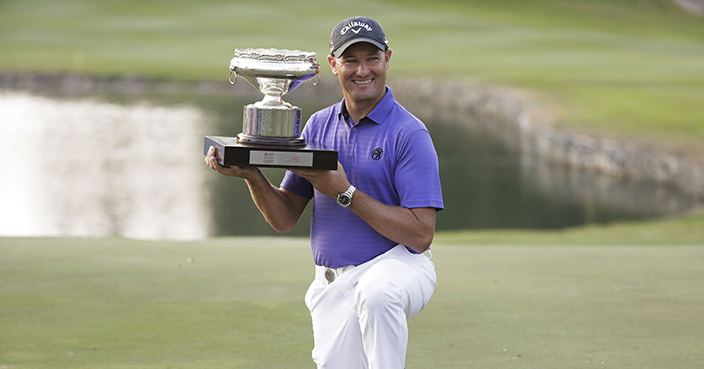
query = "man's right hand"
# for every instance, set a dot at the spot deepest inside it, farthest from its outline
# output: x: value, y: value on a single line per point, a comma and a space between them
x: 212, y: 159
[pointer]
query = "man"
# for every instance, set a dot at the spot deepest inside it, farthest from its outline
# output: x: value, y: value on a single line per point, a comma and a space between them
x: 373, y: 217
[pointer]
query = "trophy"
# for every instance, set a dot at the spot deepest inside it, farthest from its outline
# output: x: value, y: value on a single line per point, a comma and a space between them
x: 271, y: 128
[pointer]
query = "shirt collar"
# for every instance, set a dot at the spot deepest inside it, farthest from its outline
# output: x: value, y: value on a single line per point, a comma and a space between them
x: 380, y: 111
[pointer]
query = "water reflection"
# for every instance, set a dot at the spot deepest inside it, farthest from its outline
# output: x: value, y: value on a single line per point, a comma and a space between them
x: 122, y: 166
x: 492, y: 186
x: 91, y: 168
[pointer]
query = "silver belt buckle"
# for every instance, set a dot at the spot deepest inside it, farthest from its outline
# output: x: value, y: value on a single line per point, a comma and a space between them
x: 329, y: 275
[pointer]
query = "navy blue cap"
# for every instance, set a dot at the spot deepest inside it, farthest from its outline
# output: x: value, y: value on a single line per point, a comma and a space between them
x: 356, y: 29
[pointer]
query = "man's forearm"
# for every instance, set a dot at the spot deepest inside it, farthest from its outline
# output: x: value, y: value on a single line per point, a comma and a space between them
x: 281, y: 211
x: 414, y: 228
x: 281, y: 208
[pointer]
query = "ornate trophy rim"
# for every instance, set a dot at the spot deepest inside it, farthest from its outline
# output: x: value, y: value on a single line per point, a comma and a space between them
x: 274, y: 72
x: 276, y: 55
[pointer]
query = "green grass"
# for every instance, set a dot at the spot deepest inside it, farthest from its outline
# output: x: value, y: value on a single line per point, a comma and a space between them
x: 108, y: 303
x: 238, y: 303
x: 687, y: 230
x: 624, y: 68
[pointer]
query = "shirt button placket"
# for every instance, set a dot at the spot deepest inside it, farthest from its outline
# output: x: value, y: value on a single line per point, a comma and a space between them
x: 352, y: 142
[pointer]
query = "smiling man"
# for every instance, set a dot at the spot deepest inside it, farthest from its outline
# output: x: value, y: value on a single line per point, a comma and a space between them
x: 373, y: 217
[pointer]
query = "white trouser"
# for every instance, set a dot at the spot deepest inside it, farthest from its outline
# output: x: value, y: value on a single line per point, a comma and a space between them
x: 359, y: 320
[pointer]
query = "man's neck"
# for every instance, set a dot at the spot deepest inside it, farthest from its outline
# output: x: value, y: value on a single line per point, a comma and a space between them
x: 357, y: 111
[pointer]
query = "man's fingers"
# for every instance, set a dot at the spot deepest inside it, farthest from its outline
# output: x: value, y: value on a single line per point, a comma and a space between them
x: 212, y: 159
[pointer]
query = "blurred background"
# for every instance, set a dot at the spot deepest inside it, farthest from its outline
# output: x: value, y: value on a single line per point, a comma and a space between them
x: 104, y: 106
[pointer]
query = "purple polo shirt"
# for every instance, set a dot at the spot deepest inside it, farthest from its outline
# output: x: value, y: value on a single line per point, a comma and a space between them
x: 388, y: 155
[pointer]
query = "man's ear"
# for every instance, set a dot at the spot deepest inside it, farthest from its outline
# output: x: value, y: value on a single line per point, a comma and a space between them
x: 333, y: 64
x: 387, y: 54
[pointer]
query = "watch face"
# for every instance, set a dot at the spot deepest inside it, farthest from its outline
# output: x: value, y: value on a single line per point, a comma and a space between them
x: 343, y: 200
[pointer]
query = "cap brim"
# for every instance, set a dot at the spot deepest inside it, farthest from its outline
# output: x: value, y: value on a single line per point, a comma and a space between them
x: 340, y: 50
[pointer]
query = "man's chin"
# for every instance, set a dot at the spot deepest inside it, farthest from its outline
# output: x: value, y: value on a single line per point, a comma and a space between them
x: 364, y: 93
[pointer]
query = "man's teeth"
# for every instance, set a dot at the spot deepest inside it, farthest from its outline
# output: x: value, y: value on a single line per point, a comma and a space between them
x: 365, y: 82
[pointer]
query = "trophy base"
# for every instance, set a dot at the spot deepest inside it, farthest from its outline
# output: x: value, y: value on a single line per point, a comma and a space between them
x: 234, y: 152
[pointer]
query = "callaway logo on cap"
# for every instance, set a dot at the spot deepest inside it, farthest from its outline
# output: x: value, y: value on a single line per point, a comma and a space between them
x: 356, y: 29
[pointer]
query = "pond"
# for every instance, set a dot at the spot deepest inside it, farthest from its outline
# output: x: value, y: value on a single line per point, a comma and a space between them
x: 131, y: 165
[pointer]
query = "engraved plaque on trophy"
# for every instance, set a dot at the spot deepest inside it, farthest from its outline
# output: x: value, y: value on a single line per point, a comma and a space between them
x: 271, y: 128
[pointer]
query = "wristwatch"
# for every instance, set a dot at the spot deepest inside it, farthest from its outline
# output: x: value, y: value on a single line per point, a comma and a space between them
x: 345, y: 198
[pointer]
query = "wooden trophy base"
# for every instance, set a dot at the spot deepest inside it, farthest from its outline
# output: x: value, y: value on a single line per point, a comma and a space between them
x: 233, y: 152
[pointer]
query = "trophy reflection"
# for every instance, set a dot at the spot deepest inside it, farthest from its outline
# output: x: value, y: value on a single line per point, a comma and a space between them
x: 271, y: 128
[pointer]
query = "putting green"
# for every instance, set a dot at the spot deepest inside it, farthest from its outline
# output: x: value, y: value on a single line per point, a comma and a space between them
x: 237, y: 303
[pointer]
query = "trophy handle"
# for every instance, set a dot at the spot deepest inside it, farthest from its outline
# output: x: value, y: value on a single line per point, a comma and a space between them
x: 233, y: 81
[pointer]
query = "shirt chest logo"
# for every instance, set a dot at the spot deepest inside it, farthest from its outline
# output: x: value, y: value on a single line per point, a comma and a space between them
x: 377, y: 153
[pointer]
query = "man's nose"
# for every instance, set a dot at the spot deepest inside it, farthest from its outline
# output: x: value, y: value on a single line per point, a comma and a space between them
x: 362, y: 69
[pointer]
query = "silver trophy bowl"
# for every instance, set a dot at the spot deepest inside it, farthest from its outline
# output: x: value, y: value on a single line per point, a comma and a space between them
x: 273, y: 72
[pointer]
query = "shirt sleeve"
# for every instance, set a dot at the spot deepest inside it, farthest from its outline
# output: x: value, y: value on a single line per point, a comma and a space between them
x: 297, y: 184
x: 417, y: 175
